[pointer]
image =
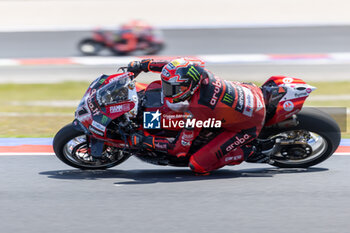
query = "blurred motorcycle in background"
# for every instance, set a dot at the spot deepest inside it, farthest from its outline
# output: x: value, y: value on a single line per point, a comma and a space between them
x: 130, y: 37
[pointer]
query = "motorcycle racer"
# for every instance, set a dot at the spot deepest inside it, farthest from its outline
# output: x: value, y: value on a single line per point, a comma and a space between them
x: 188, y: 87
x: 132, y: 32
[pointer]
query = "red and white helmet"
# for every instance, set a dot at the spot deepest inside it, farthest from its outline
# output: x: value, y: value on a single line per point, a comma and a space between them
x: 136, y: 25
x: 181, y: 78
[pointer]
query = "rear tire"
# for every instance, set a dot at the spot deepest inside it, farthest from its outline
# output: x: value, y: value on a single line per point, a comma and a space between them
x: 313, y: 121
x: 118, y: 53
x: 154, y: 48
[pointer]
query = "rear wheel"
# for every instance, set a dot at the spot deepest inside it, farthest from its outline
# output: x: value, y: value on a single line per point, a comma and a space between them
x: 71, y: 147
x: 312, y: 141
x: 118, y: 53
x: 154, y: 48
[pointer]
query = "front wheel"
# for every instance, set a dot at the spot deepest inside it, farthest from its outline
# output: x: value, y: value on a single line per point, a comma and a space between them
x: 312, y: 141
x: 90, y: 47
x: 72, y: 146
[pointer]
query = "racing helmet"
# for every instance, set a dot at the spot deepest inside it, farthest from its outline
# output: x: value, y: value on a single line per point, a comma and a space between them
x: 136, y: 25
x: 181, y: 79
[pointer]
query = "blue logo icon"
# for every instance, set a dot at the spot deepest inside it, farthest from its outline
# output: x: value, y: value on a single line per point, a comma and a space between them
x: 151, y: 120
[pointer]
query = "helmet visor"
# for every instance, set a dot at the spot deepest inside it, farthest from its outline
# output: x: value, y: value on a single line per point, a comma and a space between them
x: 172, y: 90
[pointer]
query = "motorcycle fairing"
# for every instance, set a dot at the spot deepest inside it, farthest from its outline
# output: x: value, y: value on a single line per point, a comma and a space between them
x: 96, y: 117
x: 296, y: 92
x: 153, y: 95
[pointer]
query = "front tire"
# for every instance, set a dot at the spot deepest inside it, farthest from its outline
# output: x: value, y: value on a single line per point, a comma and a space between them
x: 71, y: 147
x: 324, y: 139
x: 90, y: 47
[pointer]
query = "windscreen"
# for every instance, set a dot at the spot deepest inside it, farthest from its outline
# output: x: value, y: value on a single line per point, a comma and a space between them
x: 114, y: 92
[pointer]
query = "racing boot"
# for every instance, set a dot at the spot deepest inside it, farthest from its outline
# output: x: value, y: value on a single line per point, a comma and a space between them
x: 252, y: 155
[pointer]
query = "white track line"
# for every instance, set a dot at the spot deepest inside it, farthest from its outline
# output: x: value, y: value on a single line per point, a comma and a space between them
x: 25, y: 153
x: 275, y: 59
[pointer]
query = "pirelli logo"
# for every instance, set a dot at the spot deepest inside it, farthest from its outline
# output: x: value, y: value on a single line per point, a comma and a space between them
x: 193, y: 73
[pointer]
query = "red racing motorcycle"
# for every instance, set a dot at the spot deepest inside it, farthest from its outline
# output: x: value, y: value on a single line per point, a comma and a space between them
x: 121, y: 43
x: 115, y: 106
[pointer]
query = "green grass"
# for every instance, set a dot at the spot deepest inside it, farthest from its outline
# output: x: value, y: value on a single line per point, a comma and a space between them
x: 41, y: 121
x: 32, y: 126
x: 331, y: 88
x: 327, y: 103
x: 15, y: 98
x: 58, y: 91
x: 37, y: 109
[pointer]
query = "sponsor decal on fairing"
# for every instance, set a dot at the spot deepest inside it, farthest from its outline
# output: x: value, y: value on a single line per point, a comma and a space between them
x: 98, y: 126
x: 104, y: 119
x: 288, y: 106
x: 92, y: 129
x: 287, y: 80
x: 119, y: 108
x: 94, y: 109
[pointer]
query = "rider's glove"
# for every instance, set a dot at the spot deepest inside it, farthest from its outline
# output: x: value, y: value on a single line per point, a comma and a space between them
x: 145, y: 64
x: 135, y: 67
x: 137, y: 139
x: 142, y: 141
x: 138, y: 66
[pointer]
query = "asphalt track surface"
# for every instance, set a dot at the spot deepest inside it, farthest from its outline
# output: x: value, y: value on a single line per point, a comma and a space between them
x: 191, y: 42
x: 41, y: 194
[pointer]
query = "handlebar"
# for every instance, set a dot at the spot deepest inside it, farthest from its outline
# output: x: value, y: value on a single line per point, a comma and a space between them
x: 124, y: 69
